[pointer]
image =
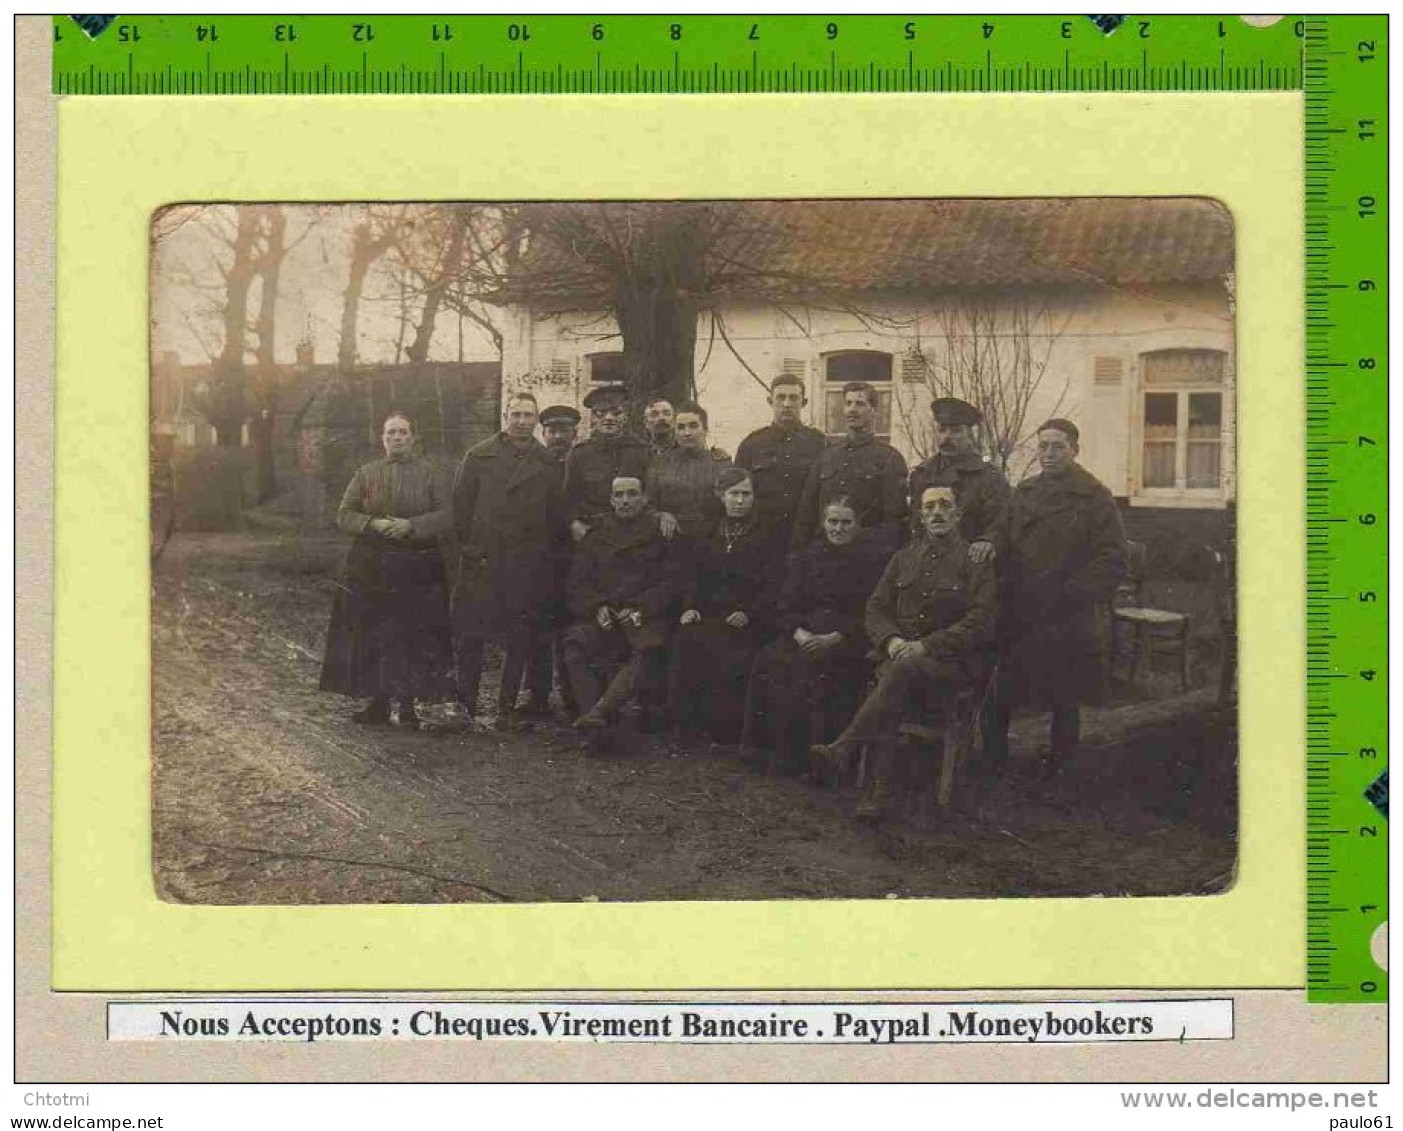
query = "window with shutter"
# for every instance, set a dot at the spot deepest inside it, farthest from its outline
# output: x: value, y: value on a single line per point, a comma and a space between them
x: 1108, y: 371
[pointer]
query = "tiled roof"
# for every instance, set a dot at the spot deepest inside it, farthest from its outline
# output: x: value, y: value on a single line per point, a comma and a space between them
x: 796, y: 247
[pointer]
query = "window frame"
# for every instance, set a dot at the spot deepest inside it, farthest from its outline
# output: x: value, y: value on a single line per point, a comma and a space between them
x: 885, y: 388
x: 1179, y: 494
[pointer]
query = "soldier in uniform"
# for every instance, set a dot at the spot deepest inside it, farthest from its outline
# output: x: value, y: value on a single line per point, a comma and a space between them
x: 862, y: 468
x: 681, y: 481
x: 592, y: 466
x: 1066, y: 555
x: 621, y: 588
x: 983, y: 491
x: 508, y: 509
x: 560, y: 424
x: 931, y: 620
x: 780, y: 455
x: 659, y: 426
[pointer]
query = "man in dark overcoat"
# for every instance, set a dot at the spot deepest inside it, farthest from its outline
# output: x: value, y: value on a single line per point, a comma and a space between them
x: 780, y: 455
x: 593, y: 465
x: 1066, y: 555
x: 508, y: 509
x: 983, y: 491
x: 860, y: 467
x: 621, y: 591
x: 560, y: 425
x: 931, y: 619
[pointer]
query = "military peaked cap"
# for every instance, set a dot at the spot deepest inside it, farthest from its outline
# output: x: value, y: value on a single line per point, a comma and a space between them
x: 952, y: 410
x: 606, y: 395
x: 559, y: 412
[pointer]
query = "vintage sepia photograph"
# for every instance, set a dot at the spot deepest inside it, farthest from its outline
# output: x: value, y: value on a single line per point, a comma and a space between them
x: 693, y: 550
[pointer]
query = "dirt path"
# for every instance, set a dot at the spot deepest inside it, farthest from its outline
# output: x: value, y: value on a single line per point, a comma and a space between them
x: 265, y: 792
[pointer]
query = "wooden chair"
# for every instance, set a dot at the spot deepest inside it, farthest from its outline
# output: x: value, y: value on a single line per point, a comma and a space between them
x: 954, y: 737
x: 924, y: 745
x: 1146, y: 627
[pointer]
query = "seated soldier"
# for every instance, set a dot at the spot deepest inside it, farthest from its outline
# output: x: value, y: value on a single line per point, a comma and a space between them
x: 620, y: 589
x: 931, y: 621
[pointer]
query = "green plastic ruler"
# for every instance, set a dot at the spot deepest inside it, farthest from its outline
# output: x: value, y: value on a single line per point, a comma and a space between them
x: 1346, y: 103
x: 668, y: 54
x: 1342, y: 73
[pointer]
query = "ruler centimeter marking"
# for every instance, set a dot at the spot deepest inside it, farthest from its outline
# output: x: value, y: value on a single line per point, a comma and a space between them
x: 1343, y: 74
x: 669, y: 54
x: 1346, y: 163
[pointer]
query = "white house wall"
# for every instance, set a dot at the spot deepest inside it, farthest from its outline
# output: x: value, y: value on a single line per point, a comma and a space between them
x: 1113, y: 326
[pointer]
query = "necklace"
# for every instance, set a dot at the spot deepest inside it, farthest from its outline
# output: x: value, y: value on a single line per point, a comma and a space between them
x: 733, y: 534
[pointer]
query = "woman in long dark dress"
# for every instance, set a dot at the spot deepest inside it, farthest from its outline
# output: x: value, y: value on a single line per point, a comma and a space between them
x: 812, y: 676
x: 728, y: 612
x: 389, y: 636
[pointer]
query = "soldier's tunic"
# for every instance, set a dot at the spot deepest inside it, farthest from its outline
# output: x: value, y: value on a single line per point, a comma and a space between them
x: 779, y: 461
x: 982, y: 490
x: 738, y: 568
x: 933, y: 593
x: 682, y: 482
x: 870, y: 473
x: 590, y: 471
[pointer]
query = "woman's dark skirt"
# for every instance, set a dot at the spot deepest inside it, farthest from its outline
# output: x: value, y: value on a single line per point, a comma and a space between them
x: 389, y: 633
x: 795, y: 700
x: 710, y: 667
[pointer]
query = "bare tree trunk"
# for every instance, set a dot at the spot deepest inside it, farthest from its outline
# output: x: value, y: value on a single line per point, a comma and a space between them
x: 654, y: 307
x: 363, y: 254
x: 227, y: 406
x: 659, y: 330
x: 433, y: 299
x: 265, y: 383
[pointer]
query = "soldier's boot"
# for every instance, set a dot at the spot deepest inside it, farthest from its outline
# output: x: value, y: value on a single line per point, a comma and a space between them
x: 880, y: 758
x: 513, y: 666
x: 618, y: 691
x: 568, y: 695
x: 470, y: 659
x: 828, y: 763
x: 581, y: 675
x: 376, y: 714
x: 539, y: 670
x: 1064, y: 735
x: 407, y: 716
x: 874, y: 796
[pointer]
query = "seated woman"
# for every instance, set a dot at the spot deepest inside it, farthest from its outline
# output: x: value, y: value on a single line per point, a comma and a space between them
x: 728, y: 611
x: 389, y: 635
x: 818, y: 667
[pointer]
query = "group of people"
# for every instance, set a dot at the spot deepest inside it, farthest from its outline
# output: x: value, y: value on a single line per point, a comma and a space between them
x: 750, y: 602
